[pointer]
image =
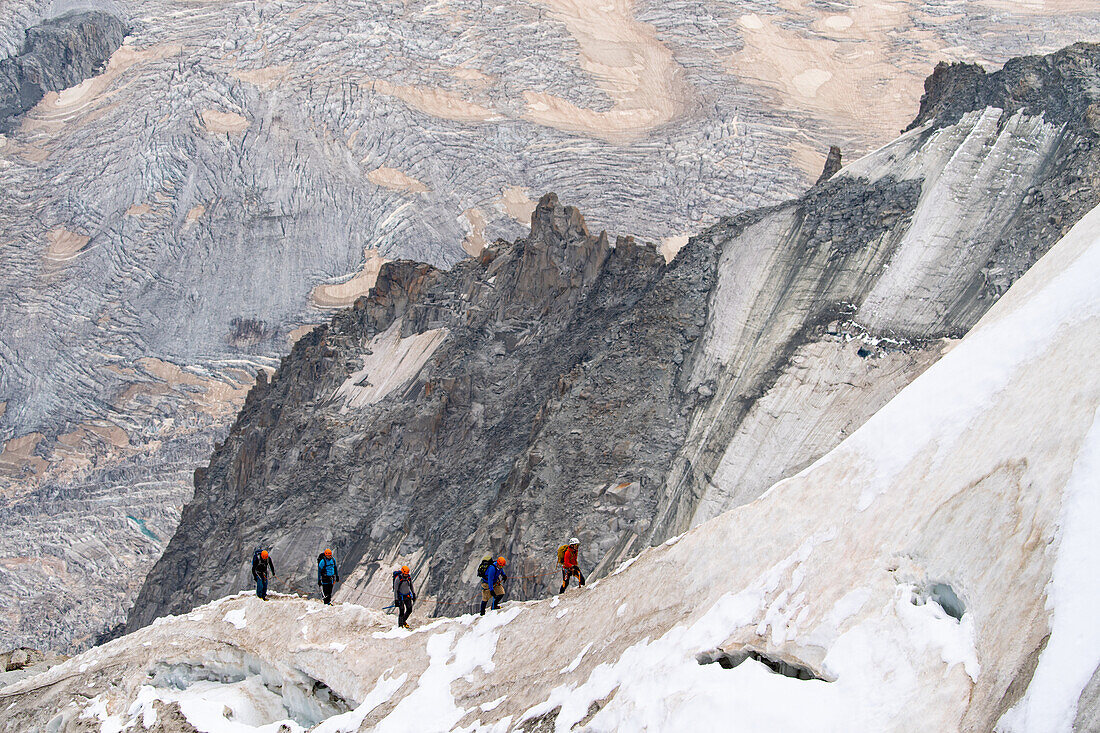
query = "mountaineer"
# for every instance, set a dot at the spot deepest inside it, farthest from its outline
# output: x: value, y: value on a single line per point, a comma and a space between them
x: 567, y: 558
x: 261, y: 565
x: 481, y: 570
x: 327, y: 574
x: 492, y: 582
x: 403, y: 595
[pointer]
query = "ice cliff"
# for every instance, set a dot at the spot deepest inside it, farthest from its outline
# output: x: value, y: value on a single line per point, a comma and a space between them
x: 932, y: 572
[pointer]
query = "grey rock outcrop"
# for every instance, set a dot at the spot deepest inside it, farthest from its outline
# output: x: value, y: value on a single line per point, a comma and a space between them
x: 991, y: 193
x: 559, y: 386
x: 1061, y: 86
x: 58, y: 54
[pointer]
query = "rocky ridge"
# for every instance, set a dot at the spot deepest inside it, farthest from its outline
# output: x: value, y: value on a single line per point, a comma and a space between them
x: 558, y: 386
x: 997, y: 188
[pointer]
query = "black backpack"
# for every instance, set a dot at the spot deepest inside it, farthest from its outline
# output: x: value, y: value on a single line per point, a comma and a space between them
x: 483, y: 568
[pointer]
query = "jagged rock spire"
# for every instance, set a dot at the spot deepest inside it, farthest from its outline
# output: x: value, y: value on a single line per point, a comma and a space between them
x: 832, y: 165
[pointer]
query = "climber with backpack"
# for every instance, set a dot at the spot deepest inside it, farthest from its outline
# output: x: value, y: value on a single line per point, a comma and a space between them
x: 567, y: 558
x: 403, y: 595
x: 493, y: 579
x: 481, y: 570
x: 261, y: 565
x: 327, y: 574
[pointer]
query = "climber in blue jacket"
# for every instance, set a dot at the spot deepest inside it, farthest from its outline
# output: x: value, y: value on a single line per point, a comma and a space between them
x: 493, y: 585
x: 327, y: 574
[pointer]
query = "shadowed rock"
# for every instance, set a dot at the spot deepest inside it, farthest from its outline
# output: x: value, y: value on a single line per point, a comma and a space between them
x: 58, y: 54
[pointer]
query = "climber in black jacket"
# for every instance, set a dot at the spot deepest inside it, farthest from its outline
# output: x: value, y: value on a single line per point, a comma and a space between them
x: 261, y: 566
x: 403, y: 595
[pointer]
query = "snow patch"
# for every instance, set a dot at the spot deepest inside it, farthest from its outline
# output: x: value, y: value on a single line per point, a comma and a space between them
x: 384, y: 689
x: 395, y: 633
x: 930, y: 625
x: 236, y: 617
x: 389, y: 362
x: 625, y: 564
x: 247, y: 706
x: 577, y: 660
x: 849, y: 605
x: 451, y: 657
x: 97, y: 708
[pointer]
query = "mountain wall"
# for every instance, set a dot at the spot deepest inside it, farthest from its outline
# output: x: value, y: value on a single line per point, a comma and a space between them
x: 935, y: 571
x: 171, y: 225
x: 558, y: 385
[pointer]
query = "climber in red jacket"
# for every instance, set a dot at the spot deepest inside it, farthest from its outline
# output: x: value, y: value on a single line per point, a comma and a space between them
x: 569, y: 566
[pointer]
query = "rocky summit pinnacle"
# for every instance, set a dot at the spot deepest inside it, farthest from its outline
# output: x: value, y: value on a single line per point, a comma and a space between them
x: 410, y: 419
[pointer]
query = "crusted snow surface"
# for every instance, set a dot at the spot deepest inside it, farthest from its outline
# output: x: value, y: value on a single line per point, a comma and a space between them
x: 1073, y: 653
x: 900, y: 582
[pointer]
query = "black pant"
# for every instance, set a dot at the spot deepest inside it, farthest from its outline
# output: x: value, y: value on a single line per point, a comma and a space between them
x: 404, y: 609
x: 567, y: 573
x: 326, y: 590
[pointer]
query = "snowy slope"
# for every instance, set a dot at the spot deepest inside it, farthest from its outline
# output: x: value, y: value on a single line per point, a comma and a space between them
x: 972, y: 493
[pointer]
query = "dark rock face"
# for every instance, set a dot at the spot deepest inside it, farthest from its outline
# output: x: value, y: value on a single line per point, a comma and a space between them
x: 555, y: 385
x: 1061, y: 86
x: 558, y: 385
x: 58, y: 54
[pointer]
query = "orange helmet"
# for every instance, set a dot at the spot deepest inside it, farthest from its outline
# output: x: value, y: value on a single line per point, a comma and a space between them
x: 501, y: 561
x: 405, y: 569
x: 328, y: 552
x: 264, y: 554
